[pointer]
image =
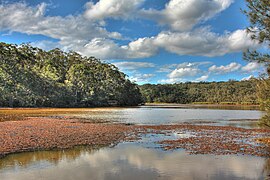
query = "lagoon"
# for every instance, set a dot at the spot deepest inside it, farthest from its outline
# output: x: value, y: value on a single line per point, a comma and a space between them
x: 142, y: 159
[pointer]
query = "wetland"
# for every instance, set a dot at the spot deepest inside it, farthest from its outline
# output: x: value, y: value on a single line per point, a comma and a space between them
x: 146, y: 142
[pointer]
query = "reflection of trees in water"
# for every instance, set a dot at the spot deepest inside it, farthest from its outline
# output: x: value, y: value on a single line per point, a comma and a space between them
x: 54, y: 156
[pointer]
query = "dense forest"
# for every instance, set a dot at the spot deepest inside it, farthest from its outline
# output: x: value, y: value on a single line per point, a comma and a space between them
x: 31, y: 77
x: 231, y: 92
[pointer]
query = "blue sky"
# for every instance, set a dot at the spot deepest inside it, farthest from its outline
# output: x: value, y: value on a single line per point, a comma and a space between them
x: 165, y: 41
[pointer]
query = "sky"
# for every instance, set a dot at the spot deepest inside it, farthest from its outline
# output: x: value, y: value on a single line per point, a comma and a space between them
x: 152, y: 41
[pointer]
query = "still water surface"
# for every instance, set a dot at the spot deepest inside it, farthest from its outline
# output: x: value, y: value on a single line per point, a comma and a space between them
x: 129, y: 161
x: 142, y: 115
x: 175, y: 115
x: 137, y: 160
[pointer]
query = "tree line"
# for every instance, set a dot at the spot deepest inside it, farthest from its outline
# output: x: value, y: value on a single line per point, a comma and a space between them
x: 231, y: 92
x: 32, y: 77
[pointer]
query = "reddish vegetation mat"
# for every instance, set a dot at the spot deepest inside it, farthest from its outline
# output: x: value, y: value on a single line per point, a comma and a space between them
x: 44, y: 133
x: 47, y: 133
x: 218, y: 140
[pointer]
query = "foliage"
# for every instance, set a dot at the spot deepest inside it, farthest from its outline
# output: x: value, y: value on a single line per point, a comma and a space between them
x: 264, y: 99
x: 259, y: 16
x: 231, y: 92
x: 31, y: 77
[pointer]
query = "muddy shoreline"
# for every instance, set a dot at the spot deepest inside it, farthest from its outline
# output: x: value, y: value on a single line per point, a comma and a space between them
x: 33, y: 134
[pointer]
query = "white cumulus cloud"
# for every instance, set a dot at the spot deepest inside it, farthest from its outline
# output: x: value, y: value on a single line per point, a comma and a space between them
x: 251, y: 67
x: 225, y: 69
x: 120, y: 9
x: 203, y: 42
x: 183, y: 72
x: 32, y: 20
x: 91, y: 38
x: 128, y: 65
x: 107, y: 49
x: 183, y: 15
x: 247, y: 78
x: 142, y: 78
x: 203, y: 78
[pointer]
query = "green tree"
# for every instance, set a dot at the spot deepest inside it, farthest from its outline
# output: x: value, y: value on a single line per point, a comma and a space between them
x: 259, y: 16
x: 231, y: 92
x: 31, y: 77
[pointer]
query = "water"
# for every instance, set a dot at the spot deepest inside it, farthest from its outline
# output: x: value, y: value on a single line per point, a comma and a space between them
x: 178, y: 115
x: 144, y: 115
x: 138, y: 160
x: 130, y: 161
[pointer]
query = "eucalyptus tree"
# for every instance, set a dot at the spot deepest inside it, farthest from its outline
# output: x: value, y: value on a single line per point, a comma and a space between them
x: 259, y: 16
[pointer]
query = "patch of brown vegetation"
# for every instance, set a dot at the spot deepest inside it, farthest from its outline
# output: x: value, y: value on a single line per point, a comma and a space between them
x: 53, y: 133
x: 45, y: 133
x: 217, y: 140
x: 264, y: 140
